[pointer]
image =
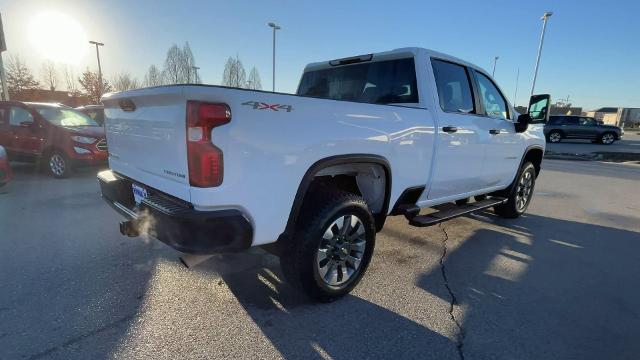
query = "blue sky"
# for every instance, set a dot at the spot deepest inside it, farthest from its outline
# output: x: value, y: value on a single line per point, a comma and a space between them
x: 591, y: 51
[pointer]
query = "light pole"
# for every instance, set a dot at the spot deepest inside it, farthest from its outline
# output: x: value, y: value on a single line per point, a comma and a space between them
x: 515, y: 94
x: 97, y: 44
x: 544, y: 19
x: 195, y: 69
x: 275, y: 27
x: 495, y: 60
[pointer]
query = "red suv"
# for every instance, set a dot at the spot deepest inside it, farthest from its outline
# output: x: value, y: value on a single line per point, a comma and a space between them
x: 58, y: 136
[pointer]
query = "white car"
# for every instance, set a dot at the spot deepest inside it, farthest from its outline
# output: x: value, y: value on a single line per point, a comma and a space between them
x: 209, y: 169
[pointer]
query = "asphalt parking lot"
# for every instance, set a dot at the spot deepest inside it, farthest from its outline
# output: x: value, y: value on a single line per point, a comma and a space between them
x: 558, y: 283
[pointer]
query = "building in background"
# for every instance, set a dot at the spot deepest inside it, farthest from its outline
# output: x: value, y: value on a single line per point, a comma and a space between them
x: 624, y: 117
x: 599, y: 114
x: 52, y: 96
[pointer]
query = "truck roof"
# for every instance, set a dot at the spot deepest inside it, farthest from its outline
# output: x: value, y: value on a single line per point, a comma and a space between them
x: 393, y: 54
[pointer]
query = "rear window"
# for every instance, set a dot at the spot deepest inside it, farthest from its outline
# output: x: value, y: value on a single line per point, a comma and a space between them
x: 381, y: 82
x: 555, y: 120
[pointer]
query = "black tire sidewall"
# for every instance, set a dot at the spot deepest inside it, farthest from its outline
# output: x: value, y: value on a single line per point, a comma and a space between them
x: 307, y: 241
x: 510, y: 209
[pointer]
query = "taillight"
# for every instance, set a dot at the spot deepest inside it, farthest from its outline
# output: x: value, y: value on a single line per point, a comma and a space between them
x: 204, y: 158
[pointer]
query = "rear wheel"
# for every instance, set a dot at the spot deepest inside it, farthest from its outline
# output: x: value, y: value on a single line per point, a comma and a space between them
x: 58, y: 165
x: 607, y: 138
x: 519, y: 194
x: 554, y: 136
x: 331, y: 247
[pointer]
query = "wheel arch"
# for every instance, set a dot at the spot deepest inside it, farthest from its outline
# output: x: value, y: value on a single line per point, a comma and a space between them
x: 319, y: 169
x: 534, y: 153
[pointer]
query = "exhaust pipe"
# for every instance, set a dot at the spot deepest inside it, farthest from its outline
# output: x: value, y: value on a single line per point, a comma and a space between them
x: 129, y: 228
x: 190, y: 260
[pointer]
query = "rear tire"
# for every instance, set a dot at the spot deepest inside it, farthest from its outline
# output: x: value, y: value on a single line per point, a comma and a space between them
x: 554, y: 136
x: 325, y: 258
x: 519, y: 194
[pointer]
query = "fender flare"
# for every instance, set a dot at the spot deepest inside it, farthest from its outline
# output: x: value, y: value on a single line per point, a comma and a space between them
x: 331, y: 161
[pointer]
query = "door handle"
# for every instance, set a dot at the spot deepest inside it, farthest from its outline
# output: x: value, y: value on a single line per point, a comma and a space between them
x: 449, y: 129
x: 494, y: 131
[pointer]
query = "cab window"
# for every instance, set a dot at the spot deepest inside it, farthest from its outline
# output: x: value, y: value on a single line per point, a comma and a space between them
x: 18, y: 115
x: 571, y: 121
x: 454, y: 87
x: 494, y: 104
x: 587, y: 121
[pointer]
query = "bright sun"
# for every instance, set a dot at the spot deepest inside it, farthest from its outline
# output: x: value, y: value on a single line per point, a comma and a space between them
x: 58, y: 37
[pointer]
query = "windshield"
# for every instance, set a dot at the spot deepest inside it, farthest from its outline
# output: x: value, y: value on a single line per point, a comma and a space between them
x: 65, y: 117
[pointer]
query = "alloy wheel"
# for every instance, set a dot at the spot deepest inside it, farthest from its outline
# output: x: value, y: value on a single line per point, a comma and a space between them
x: 341, y: 250
x: 607, y: 139
x: 555, y: 137
x: 524, y: 190
x: 57, y: 164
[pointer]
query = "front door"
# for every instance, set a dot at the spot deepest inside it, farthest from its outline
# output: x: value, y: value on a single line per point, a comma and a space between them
x: 504, y: 146
x: 460, y: 150
x: 26, y: 141
x: 588, y: 128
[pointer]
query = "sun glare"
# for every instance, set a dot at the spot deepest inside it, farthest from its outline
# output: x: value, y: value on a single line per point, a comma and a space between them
x: 58, y: 37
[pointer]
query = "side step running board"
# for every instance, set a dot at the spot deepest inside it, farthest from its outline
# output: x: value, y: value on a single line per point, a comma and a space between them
x: 411, y: 212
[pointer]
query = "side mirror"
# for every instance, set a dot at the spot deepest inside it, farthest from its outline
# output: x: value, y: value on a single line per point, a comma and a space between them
x: 523, y: 123
x: 539, y: 106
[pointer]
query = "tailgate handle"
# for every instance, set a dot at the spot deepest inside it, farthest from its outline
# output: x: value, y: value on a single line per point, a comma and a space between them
x: 127, y: 105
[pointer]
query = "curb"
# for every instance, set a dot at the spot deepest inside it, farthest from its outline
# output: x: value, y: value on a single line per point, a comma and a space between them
x: 594, y: 156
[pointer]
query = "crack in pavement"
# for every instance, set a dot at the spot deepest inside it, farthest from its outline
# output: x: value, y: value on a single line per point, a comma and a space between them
x: 460, y: 336
x: 81, y: 337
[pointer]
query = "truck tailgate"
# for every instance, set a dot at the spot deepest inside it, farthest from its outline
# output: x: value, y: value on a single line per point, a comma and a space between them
x: 146, y: 133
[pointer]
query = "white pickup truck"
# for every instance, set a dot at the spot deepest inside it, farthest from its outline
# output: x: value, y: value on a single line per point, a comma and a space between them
x: 209, y: 169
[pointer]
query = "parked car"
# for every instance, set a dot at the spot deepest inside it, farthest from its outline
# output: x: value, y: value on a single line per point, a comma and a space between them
x: 5, y: 169
x: 209, y: 169
x: 96, y: 112
x: 57, y: 137
x: 580, y: 127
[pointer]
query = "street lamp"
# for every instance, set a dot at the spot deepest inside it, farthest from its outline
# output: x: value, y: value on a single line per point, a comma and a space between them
x: 544, y: 19
x: 495, y: 60
x: 97, y: 44
x: 195, y: 69
x: 275, y: 27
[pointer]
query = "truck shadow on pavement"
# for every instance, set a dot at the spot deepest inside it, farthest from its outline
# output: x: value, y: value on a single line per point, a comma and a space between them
x: 538, y: 287
x: 350, y: 328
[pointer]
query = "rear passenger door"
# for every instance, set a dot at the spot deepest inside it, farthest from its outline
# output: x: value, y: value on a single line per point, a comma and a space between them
x: 459, y: 159
x: 504, y: 146
x: 571, y: 127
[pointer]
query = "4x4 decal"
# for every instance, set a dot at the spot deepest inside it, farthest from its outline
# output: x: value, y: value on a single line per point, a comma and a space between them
x: 257, y: 105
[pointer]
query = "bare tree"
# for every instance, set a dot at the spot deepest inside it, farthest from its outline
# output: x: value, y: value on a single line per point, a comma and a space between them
x: 253, y: 81
x: 234, y: 74
x: 153, y: 77
x: 188, y: 65
x: 124, y: 81
x: 179, y: 65
x: 49, y: 75
x: 71, y: 80
x: 19, y: 76
x: 172, y: 65
x: 90, y: 82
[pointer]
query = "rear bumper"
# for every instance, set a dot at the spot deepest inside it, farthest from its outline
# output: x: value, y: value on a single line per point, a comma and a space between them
x: 175, y: 222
